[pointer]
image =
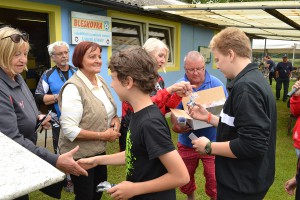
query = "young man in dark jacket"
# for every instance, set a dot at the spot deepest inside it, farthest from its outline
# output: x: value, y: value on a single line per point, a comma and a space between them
x: 246, y: 134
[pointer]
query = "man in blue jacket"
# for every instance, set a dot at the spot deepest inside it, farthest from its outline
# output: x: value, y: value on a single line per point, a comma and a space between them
x: 49, y: 87
x: 51, y: 82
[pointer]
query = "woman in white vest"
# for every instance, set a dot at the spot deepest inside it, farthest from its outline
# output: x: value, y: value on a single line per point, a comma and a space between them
x: 88, y: 117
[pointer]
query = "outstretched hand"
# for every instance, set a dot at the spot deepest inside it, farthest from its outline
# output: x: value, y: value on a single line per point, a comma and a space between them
x: 88, y: 163
x: 67, y: 164
x: 182, y: 88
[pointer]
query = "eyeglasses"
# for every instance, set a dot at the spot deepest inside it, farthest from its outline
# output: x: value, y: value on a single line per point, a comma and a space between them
x: 198, y: 69
x: 16, y: 38
x: 61, y: 53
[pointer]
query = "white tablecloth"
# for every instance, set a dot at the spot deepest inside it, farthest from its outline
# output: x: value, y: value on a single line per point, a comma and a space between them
x: 22, y: 172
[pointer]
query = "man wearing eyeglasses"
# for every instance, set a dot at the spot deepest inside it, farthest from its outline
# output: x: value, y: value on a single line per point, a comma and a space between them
x: 195, y: 73
x: 49, y: 86
x: 52, y: 80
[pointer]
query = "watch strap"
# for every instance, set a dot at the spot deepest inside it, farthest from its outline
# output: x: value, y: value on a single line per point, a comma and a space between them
x: 207, y: 148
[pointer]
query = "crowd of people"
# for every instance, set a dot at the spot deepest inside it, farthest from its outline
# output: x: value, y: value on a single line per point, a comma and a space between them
x: 237, y: 151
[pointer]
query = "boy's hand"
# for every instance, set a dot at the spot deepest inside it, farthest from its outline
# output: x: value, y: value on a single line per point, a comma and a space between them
x: 290, y: 186
x: 88, y: 163
x: 122, y: 191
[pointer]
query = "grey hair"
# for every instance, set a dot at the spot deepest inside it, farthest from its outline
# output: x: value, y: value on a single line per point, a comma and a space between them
x: 193, y: 55
x: 56, y: 44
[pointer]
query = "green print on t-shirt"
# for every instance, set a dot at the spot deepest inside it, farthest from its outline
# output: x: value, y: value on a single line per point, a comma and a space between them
x: 129, y: 157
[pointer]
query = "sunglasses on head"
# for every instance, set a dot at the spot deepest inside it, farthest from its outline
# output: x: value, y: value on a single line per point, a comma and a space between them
x: 17, y: 37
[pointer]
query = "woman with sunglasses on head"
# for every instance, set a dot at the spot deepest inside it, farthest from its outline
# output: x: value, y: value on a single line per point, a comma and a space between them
x: 19, y: 114
x: 164, y: 98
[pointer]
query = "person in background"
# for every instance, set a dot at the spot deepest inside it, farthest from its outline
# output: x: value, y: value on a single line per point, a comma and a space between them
x: 246, y: 135
x: 51, y: 82
x: 271, y: 66
x: 88, y: 117
x: 49, y: 86
x: 292, y: 184
x: 283, y: 73
x: 195, y: 73
x: 164, y: 98
x: 19, y: 113
x: 153, y: 166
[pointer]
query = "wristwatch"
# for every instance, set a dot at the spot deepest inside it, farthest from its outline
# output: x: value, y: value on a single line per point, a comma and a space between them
x: 207, y: 148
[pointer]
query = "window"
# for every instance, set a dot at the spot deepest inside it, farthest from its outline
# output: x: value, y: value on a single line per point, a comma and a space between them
x: 127, y: 33
x: 164, y: 34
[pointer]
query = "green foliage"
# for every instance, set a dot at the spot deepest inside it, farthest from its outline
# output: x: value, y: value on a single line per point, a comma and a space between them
x: 285, y: 164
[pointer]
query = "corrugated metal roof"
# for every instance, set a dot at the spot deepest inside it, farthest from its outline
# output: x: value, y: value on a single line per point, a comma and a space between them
x: 151, y: 2
x: 272, y: 19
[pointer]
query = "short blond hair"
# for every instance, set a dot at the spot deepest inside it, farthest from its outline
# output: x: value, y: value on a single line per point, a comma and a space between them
x: 234, y: 39
x: 154, y: 45
x: 8, y: 48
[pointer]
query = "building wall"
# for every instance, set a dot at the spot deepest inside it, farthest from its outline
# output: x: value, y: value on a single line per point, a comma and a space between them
x: 191, y: 37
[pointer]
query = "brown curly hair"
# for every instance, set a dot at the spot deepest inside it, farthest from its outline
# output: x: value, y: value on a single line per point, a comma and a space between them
x: 136, y: 63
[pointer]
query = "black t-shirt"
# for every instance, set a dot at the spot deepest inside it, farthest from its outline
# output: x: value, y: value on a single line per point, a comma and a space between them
x: 148, y: 138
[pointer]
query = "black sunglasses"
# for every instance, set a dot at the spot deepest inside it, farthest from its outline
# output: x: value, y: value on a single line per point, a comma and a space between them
x: 17, y: 37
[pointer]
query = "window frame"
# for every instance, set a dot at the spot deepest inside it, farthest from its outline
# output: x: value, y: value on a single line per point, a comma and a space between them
x: 170, y: 44
x: 133, y: 24
x: 174, y: 29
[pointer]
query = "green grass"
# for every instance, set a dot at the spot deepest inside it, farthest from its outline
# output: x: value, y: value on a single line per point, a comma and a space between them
x: 285, y: 164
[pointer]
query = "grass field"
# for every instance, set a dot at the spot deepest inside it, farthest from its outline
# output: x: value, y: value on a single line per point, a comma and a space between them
x: 285, y: 164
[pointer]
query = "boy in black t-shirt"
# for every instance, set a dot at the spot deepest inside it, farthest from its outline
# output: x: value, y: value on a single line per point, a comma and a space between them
x: 153, y: 166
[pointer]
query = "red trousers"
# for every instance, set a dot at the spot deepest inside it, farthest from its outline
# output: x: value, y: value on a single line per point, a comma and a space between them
x: 191, y: 159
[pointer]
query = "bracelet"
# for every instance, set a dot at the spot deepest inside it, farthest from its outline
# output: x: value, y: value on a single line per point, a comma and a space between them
x: 209, y: 117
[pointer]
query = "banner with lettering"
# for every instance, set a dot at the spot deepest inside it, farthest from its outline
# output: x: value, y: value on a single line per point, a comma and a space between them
x: 93, y: 28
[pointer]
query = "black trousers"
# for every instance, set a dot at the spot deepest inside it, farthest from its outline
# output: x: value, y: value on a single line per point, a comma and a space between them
x: 271, y: 75
x: 85, y: 186
x: 285, y: 82
x: 55, y: 137
x: 297, y: 195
